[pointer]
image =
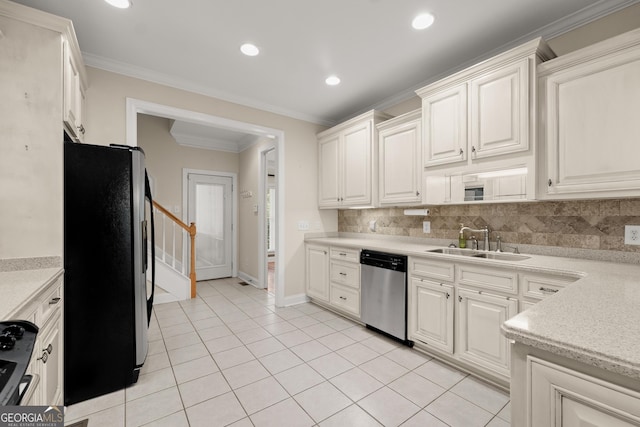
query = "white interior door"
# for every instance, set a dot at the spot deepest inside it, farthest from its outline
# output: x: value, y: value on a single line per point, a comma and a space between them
x: 210, y: 207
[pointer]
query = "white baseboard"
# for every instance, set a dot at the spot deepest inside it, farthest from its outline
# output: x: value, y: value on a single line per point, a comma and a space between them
x: 295, y: 299
x: 164, y: 298
x: 249, y: 279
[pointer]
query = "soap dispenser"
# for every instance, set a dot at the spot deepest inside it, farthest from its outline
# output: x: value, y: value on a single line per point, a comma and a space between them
x: 462, y: 243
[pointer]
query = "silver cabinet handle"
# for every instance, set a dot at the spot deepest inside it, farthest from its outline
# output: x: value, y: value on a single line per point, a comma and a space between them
x: 342, y: 254
x: 548, y: 290
x: 45, y: 354
x: 343, y: 274
x: 473, y: 149
x: 461, y: 152
x: 550, y: 183
x: 54, y: 301
x: 343, y: 298
x: 417, y: 193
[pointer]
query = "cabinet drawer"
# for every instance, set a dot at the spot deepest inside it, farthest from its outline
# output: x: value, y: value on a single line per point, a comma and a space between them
x: 352, y: 255
x: 49, y: 303
x: 489, y: 278
x: 345, y: 273
x: 345, y: 298
x: 539, y: 286
x: 437, y: 270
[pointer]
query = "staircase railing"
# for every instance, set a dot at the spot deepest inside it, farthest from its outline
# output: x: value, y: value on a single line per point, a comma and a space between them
x: 191, y: 229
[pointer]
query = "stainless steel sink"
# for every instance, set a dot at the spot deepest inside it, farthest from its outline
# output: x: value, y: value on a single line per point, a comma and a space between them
x: 455, y: 251
x: 500, y: 256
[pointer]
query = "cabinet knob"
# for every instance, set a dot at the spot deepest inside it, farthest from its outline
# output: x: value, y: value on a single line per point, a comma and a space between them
x: 461, y: 151
x: 448, y: 295
x: 550, y: 183
x: 417, y: 193
x: 54, y: 301
x: 343, y: 298
x: 473, y: 149
x: 459, y: 298
x: 343, y: 274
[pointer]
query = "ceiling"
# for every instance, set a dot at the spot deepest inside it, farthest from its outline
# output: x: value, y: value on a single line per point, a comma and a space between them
x: 369, y: 44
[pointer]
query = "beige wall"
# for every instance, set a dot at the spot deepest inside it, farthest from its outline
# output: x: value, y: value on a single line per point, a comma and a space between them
x: 105, y: 123
x: 165, y: 160
x: 31, y: 164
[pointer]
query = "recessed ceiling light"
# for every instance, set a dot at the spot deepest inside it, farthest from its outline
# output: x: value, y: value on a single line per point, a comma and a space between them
x: 121, y: 4
x: 332, y: 80
x: 249, y: 49
x: 422, y: 21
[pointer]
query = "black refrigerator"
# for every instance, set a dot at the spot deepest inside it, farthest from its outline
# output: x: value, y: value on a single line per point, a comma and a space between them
x: 108, y: 215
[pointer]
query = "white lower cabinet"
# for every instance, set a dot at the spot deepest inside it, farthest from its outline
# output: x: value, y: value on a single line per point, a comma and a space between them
x: 345, y: 298
x: 317, y: 271
x: 48, y: 361
x: 560, y: 396
x: 430, y: 319
x: 46, y: 364
x: 479, y: 317
x: 333, y: 277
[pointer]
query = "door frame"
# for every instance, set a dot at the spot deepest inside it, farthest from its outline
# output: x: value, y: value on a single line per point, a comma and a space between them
x: 234, y: 209
x: 135, y: 106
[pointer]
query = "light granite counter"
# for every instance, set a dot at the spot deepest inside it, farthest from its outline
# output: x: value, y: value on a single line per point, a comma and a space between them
x: 595, y: 320
x: 22, y: 280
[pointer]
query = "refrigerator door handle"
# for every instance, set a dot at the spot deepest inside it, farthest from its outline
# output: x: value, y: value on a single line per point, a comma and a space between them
x: 147, y: 193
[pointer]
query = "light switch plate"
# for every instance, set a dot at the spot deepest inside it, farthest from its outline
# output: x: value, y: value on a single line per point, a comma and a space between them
x: 426, y: 227
x: 632, y: 234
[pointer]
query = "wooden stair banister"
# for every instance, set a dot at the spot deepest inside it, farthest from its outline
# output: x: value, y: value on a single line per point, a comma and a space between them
x: 191, y: 229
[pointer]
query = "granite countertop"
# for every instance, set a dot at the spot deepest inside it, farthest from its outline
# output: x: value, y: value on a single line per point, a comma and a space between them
x: 21, y: 280
x: 595, y: 320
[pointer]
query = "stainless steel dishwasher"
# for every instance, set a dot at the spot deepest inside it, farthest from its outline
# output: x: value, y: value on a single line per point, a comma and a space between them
x: 383, y: 293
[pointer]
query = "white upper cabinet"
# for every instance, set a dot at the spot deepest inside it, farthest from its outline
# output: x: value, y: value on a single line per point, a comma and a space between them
x: 589, y: 127
x: 73, y: 94
x: 400, y: 160
x: 444, y: 118
x: 347, y: 154
x: 499, y: 102
x: 483, y: 111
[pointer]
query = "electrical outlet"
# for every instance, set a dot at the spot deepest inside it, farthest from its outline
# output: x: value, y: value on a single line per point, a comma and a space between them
x: 426, y: 227
x: 303, y: 225
x: 632, y: 234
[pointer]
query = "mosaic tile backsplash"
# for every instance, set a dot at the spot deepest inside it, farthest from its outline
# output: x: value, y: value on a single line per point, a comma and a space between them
x: 583, y: 224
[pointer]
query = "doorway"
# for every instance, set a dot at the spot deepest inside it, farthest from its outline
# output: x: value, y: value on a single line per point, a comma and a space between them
x: 209, y: 205
x: 269, y: 201
x: 137, y: 106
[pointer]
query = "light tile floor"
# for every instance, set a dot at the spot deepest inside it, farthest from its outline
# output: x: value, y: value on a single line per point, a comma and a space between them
x: 230, y: 357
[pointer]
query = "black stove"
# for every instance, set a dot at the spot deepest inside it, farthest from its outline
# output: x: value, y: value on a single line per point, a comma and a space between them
x: 17, y: 339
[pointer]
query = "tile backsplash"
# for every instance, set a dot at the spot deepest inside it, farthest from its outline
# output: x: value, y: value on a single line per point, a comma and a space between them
x: 583, y: 224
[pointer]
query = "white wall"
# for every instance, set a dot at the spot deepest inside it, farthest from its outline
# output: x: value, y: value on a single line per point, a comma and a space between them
x: 106, y: 122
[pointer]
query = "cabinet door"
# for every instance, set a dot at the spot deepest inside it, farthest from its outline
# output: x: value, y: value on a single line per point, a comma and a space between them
x: 400, y: 163
x: 356, y: 165
x: 328, y: 172
x: 317, y: 272
x: 564, y: 397
x: 431, y: 313
x: 500, y: 111
x: 444, y: 121
x: 592, y: 127
x: 73, y: 96
x: 48, y: 353
x: 480, y: 316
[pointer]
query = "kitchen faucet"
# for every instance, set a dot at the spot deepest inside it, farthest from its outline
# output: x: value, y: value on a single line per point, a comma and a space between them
x: 485, y: 234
